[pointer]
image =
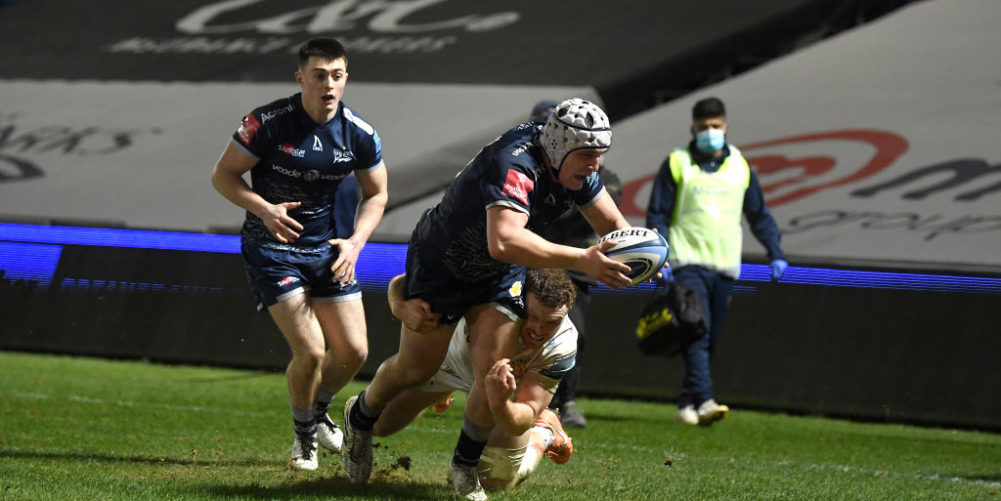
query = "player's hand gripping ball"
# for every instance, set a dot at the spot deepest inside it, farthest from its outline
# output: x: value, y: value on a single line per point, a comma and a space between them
x: 643, y: 250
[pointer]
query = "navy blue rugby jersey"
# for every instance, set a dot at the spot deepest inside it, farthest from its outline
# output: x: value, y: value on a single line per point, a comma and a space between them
x: 302, y: 161
x: 508, y: 172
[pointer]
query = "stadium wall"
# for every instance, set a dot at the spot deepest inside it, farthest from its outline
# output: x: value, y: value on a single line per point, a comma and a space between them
x: 862, y: 344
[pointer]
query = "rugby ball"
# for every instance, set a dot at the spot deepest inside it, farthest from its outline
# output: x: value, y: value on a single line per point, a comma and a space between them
x: 642, y: 249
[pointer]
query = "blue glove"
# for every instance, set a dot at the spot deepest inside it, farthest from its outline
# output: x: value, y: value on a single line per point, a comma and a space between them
x: 778, y: 268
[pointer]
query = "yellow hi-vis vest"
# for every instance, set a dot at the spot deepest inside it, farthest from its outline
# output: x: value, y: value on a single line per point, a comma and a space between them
x: 705, y: 225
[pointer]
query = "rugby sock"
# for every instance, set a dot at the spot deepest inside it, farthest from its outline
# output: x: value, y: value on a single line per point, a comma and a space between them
x: 304, y: 420
x: 362, y: 416
x: 547, y: 435
x: 323, y: 399
x: 472, y: 441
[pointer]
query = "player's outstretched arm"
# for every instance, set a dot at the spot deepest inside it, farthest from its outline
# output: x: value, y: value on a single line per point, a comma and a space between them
x: 510, y: 241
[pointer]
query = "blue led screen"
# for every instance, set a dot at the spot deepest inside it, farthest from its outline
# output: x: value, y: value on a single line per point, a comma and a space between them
x: 29, y: 262
x: 32, y: 252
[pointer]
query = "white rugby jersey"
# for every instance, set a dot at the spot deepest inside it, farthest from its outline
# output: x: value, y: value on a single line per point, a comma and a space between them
x: 547, y: 364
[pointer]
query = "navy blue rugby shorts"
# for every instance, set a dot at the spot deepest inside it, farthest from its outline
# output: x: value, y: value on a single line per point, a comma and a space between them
x: 452, y: 297
x: 278, y: 274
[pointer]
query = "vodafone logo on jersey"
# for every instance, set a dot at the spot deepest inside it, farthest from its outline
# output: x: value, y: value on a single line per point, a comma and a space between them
x: 518, y: 185
x: 792, y: 168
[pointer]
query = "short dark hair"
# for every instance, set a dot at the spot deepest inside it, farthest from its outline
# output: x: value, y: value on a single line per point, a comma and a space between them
x: 551, y: 286
x: 709, y: 107
x: 325, y: 48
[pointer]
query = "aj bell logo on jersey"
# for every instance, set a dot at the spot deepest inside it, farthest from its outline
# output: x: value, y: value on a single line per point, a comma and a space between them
x: 290, y: 150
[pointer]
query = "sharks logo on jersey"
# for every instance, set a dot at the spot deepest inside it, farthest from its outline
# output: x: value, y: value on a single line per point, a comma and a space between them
x: 342, y: 157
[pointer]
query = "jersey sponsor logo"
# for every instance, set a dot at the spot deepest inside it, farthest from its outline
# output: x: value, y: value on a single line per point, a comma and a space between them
x: 248, y: 128
x: 517, y: 186
x: 307, y: 175
x: 268, y: 115
x: 317, y: 145
x: 290, y: 150
x: 561, y: 366
x: 286, y: 171
x: 521, y: 149
x: 515, y: 290
x: 286, y: 281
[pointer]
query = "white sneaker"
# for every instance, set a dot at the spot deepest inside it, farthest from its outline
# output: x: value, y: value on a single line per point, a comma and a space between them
x: 710, y: 412
x: 688, y: 415
x: 466, y: 481
x: 356, y: 454
x: 328, y: 434
x: 304, y: 452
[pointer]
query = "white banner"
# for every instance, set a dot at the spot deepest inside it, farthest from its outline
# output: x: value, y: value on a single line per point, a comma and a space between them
x: 883, y: 143
x: 880, y: 144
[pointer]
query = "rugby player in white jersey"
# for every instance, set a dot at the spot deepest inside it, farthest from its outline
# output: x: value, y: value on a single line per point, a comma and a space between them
x: 518, y: 389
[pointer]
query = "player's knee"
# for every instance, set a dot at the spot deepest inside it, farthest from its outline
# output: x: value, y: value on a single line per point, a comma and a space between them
x: 354, y: 357
x: 310, y: 358
x: 415, y: 374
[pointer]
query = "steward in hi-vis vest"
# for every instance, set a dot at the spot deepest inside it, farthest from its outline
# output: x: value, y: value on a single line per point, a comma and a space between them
x: 707, y: 212
x: 697, y: 200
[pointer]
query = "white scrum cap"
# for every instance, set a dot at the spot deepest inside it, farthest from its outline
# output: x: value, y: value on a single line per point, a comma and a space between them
x: 574, y: 124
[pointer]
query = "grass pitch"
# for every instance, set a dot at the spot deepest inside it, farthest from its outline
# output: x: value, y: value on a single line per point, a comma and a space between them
x: 90, y: 429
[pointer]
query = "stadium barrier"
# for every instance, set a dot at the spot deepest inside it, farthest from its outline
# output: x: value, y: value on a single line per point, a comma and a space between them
x: 871, y: 345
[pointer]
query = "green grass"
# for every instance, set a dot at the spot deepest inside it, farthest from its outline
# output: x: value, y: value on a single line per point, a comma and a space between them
x: 90, y: 429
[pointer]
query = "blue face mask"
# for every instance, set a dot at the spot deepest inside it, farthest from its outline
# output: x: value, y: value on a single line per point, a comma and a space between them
x: 710, y: 140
